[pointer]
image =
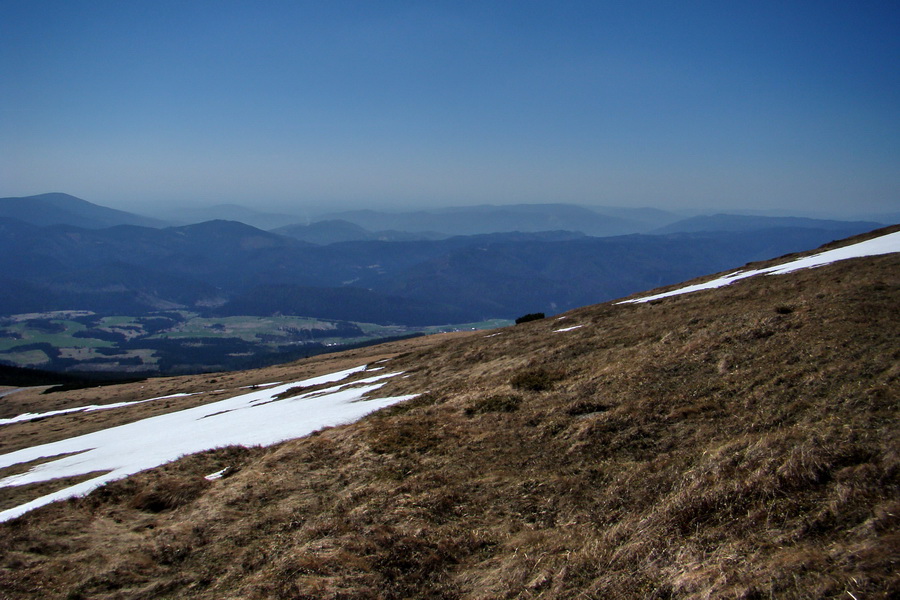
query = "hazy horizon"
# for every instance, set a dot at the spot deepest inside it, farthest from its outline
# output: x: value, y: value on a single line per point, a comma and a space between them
x: 176, y: 213
x: 309, y: 107
x: 311, y: 212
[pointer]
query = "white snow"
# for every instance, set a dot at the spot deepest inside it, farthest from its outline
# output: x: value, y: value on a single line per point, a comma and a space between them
x: 567, y: 328
x: 88, y: 408
x: 64, y: 411
x: 216, y: 475
x: 886, y: 244
x: 178, y: 395
x: 250, y: 419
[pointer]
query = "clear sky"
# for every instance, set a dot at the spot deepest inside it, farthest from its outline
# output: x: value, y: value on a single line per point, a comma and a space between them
x: 288, y: 104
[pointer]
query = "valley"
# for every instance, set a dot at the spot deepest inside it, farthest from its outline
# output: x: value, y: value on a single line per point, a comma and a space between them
x: 87, y: 288
x: 171, y: 342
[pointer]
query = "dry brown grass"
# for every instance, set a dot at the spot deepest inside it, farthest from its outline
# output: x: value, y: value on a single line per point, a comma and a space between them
x: 737, y: 443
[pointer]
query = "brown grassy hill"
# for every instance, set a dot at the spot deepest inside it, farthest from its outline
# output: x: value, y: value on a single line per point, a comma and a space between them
x: 733, y: 443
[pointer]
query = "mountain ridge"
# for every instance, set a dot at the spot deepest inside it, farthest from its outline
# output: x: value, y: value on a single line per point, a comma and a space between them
x: 57, y: 208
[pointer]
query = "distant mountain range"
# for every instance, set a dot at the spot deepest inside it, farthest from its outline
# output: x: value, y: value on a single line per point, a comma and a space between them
x: 357, y: 225
x: 61, y: 252
x: 225, y: 267
x: 337, y: 230
x: 433, y: 224
x: 474, y: 220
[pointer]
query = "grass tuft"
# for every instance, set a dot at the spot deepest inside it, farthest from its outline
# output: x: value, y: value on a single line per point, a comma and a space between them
x: 497, y: 403
x: 537, y: 379
x: 168, y: 494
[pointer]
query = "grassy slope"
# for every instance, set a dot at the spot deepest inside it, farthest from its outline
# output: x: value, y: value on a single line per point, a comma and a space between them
x: 737, y: 443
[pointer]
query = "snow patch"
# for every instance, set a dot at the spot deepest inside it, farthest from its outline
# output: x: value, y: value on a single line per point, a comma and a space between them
x: 217, y: 474
x: 89, y: 408
x: 65, y: 411
x: 256, y: 418
x: 567, y: 328
x: 886, y: 244
x: 178, y: 395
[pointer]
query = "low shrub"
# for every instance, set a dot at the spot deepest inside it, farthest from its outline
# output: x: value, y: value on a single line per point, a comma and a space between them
x: 419, y: 401
x: 536, y: 379
x: 529, y: 317
x: 585, y: 407
x: 404, y: 437
x: 169, y: 493
x: 496, y: 403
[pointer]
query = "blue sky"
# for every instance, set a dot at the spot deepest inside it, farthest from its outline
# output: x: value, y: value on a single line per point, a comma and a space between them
x: 304, y: 105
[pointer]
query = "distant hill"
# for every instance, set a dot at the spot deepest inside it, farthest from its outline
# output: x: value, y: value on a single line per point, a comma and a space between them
x: 643, y: 219
x: 63, y: 209
x: 327, y: 232
x: 231, y: 212
x: 471, y: 220
x: 221, y: 235
x: 732, y: 443
x: 726, y: 222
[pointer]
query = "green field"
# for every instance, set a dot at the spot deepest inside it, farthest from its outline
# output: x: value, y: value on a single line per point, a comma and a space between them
x: 246, y: 328
x: 21, y: 334
x: 31, y: 358
x: 171, y: 340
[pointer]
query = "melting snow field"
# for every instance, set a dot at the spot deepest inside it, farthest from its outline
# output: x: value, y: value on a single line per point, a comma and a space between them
x: 886, y: 244
x: 256, y: 418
